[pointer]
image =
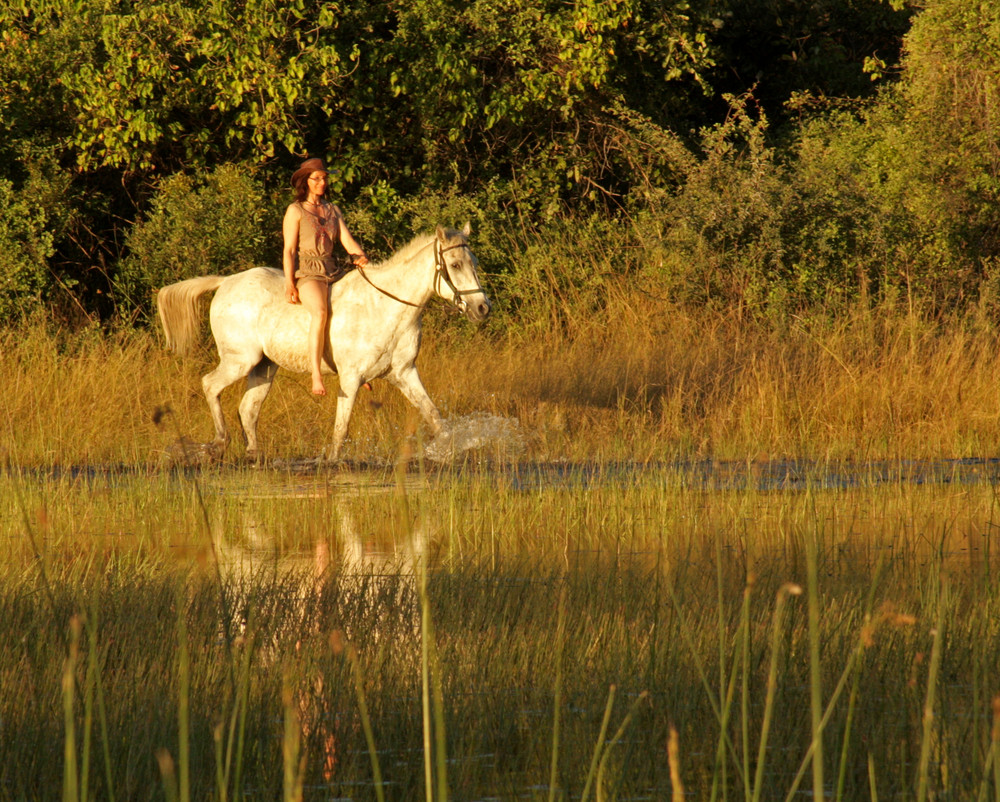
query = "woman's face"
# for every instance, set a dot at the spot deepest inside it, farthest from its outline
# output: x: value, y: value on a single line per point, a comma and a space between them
x: 317, y: 182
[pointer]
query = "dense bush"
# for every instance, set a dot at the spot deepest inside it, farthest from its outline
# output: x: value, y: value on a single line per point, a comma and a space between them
x: 587, y: 144
x: 896, y: 197
x: 949, y: 179
x: 25, y: 247
x: 218, y: 223
x: 31, y: 220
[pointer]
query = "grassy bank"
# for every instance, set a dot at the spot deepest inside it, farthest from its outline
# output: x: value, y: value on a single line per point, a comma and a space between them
x: 607, y: 630
x: 640, y: 380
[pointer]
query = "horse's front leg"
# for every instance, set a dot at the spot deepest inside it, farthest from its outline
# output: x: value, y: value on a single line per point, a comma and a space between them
x: 346, y: 395
x: 409, y: 384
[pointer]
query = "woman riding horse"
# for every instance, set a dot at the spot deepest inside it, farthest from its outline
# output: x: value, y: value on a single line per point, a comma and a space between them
x: 376, y: 314
x: 311, y: 229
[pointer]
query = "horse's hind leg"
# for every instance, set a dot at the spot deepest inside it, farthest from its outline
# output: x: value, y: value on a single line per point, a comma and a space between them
x: 258, y: 385
x: 229, y: 371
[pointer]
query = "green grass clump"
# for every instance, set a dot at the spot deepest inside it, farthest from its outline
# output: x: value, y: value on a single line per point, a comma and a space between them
x: 257, y: 634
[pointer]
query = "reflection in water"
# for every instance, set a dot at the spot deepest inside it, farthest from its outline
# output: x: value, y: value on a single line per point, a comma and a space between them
x: 249, y: 548
x: 350, y: 561
x: 372, y: 570
x: 303, y: 556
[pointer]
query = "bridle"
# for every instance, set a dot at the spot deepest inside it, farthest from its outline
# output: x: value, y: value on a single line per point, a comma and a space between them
x: 440, y: 274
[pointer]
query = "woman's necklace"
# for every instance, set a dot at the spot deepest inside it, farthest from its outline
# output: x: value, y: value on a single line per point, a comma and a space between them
x: 315, y: 212
x: 323, y: 222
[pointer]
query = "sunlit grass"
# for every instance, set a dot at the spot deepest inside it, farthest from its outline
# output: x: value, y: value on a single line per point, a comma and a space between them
x: 613, y: 613
x: 643, y: 380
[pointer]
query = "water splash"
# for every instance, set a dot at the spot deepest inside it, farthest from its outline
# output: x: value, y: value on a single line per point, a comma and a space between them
x: 501, y: 436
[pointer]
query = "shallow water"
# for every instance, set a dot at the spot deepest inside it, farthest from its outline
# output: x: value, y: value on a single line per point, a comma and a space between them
x: 493, y: 445
x: 310, y: 529
x: 499, y: 436
x: 785, y: 474
x: 495, y: 437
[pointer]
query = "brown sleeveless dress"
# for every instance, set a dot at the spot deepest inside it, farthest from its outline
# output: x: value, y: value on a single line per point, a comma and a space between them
x: 319, y: 236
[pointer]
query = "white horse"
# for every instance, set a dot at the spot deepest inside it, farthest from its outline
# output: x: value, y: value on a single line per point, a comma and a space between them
x: 374, y: 328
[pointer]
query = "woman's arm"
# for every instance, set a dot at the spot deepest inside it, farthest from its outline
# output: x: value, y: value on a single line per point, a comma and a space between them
x: 290, y: 251
x: 347, y: 240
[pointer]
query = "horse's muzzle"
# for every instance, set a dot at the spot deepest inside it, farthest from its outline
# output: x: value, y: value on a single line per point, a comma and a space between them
x: 477, y: 312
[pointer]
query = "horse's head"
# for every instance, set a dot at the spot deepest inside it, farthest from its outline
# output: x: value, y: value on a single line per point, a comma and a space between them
x: 456, y: 279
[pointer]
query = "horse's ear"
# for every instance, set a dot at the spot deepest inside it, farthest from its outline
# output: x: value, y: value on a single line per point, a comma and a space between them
x: 467, y: 229
x: 441, y: 234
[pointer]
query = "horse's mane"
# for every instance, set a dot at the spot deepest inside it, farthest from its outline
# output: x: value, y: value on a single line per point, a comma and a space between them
x: 407, y: 252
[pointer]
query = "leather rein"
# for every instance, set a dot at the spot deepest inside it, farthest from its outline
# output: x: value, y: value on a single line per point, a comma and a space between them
x: 440, y: 272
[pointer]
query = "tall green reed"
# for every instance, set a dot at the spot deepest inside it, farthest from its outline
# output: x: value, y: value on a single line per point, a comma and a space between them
x: 293, y: 757
x: 71, y: 788
x: 812, y: 545
x: 359, y: 689
x: 183, y: 704
x: 927, y: 728
x: 784, y: 593
x: 557, y: 696
x: 719, y: 559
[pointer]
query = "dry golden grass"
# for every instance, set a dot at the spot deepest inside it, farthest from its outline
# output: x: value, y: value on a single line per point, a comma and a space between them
x: 649, y: 381
x: 641, y: 380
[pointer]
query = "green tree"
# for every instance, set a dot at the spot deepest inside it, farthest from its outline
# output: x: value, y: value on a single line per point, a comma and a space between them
x: 527, y: 93
x: 165, y: 84
x: 533, y: 112
x: 820, y: 47
x: 32, y: 219
x: 951, y: 118
x: 214, y: 224
x: 25, y: 247
x: 919, y: 170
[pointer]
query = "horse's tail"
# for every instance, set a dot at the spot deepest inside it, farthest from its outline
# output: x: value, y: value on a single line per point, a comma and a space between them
x: 177, y: 305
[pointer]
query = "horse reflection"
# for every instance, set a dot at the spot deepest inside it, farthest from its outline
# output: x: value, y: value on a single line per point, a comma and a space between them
x: 298, y: 608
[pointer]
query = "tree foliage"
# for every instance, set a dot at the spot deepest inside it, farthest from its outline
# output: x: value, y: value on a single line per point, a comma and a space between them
x: 31, y: 221
x: 950, y: 101
x: 740, y: 151
x: 25, y: 245
x: 819, y: 47
x: 215, y: 223
x: 528, y: 92
x: 168, y: 84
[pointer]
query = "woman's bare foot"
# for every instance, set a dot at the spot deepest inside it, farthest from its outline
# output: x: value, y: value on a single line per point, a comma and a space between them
x: 318, y: 387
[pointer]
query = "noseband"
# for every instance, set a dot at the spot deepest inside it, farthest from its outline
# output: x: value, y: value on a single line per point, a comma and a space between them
x: 440, y: 274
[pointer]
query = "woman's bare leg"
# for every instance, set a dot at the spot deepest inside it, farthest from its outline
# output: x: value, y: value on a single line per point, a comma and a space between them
x: 314, y: 297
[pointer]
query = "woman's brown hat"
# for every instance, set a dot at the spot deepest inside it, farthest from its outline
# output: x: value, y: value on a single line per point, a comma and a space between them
x: 308, y: 167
